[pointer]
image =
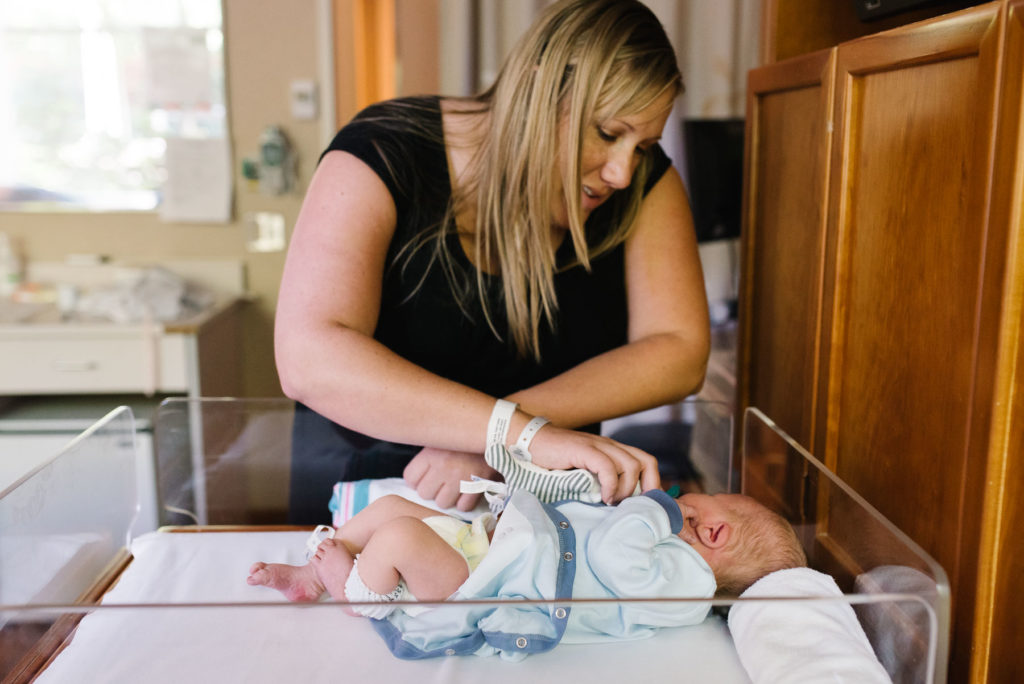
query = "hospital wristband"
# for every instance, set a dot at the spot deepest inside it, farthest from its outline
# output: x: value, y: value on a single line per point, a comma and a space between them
x: 501, y: 419
x: 522, y: 445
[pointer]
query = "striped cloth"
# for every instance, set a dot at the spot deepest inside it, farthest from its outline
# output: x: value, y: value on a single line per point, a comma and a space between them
x: 547, y: 485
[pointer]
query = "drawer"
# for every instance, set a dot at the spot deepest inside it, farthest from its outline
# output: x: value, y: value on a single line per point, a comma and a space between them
x: 93, y: 362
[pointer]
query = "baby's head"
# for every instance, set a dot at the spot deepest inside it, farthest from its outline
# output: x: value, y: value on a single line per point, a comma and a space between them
x: 739, y: 538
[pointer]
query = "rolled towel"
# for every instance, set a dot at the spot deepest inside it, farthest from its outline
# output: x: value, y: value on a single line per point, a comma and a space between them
x: 351, y: 497
x: 802, y: 641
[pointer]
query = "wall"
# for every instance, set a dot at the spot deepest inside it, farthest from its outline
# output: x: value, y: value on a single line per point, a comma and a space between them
x: 268, y: 43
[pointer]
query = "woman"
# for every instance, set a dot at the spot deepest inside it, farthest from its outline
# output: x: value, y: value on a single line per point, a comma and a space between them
x: 532, y: 243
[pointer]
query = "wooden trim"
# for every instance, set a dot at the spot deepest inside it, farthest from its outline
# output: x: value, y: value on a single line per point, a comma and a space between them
x: 769, y: 30
x: 58, y: 636
x: 374, y: 45
x: 798, y: 72
x: 343, y: 34
x: 969, y: 33
x: 998, y: 550
x: 807, y: 71
x: 796, y: 27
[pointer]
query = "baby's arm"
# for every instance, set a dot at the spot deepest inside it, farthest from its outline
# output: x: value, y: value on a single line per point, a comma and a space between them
x: 636, y: 553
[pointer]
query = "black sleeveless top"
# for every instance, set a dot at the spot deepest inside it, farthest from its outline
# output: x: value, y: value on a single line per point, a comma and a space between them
x: 420, y: 318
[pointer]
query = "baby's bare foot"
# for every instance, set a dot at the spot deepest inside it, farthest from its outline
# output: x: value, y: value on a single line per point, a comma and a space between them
x: 296, y: 582
x: 332, y: 564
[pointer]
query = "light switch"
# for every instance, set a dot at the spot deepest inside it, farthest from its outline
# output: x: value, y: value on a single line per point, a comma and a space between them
x: 304, y: 99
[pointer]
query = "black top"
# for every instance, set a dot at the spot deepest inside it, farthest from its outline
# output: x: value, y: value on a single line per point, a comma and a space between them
x: 429, y: 328
x: 425, y: 324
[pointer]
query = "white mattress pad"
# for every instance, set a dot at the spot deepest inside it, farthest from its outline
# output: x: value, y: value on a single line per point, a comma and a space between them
x: 320, y: 643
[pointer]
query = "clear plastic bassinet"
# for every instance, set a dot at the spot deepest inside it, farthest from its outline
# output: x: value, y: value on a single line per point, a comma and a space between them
x: 85, y: 595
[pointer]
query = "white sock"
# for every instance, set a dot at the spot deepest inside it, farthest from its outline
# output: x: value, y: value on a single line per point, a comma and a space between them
x: 356, y: 590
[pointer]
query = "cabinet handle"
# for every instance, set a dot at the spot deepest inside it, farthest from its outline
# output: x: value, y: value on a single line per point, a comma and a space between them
x: 74, y: 366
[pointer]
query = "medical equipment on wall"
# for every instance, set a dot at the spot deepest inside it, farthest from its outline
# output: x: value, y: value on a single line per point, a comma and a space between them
x: 275, y: 169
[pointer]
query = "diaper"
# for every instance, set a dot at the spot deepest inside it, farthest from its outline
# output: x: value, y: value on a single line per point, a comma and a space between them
x: 469, y: 539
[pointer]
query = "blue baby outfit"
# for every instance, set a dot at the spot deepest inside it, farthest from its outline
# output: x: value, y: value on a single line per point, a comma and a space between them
x: 564, y: 550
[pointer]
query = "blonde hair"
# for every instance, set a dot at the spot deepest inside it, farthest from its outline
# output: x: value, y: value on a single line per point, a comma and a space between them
x: 581, y: 60
x: 762, y: 542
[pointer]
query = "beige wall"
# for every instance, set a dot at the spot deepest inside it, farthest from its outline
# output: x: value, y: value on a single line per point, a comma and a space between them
x: 268, y: 43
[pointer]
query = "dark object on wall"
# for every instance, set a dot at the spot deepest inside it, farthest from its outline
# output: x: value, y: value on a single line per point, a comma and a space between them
x: 714, y: 167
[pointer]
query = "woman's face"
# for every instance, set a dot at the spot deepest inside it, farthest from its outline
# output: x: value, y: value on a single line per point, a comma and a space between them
x: 612, y: 149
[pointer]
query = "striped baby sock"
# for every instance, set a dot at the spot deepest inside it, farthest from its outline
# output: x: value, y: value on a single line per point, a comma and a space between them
x: 546, y: 485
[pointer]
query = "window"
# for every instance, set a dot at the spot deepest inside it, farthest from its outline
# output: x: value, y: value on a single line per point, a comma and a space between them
x: 90, y: 90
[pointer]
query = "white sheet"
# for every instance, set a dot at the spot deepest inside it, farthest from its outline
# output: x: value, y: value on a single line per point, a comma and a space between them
x: 320, y: 643
x: 802, y: 641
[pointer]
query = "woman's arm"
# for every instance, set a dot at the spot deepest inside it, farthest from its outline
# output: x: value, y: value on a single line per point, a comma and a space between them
x: 327, y: 358
x: 669, y: 334
x: 327, y: 311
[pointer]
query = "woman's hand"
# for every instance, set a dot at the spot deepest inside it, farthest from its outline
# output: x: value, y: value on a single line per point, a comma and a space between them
x: 435, y: 474
x: 619, y: 467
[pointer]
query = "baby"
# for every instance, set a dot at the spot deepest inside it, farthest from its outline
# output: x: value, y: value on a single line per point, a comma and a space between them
x: 647, y: 546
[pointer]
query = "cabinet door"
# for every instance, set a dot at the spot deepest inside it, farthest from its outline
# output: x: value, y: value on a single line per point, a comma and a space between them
x: 911, y: 299
x: 788, y: 134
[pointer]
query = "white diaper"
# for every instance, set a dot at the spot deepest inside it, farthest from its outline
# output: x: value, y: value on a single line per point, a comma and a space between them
x: 470, y: 540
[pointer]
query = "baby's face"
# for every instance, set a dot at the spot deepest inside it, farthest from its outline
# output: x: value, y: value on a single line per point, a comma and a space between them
x: 697, y: 508
x: 709, y: 520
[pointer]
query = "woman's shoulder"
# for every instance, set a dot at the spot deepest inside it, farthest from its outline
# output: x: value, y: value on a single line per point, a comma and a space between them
x: 398, y: 119
x: 401, y: 140
x: 418, y: 108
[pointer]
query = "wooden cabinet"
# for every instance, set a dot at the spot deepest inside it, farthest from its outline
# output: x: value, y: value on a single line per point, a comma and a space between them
x: 788, y: 136
x: 797, y: 27
x: 882, y: 288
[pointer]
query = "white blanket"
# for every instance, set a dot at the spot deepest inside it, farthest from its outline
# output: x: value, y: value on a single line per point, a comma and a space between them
x: 802, y: 641
x: 319, y: 643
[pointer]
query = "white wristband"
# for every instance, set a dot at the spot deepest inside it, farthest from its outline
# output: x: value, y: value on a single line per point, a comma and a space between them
x: 501, y: 419
x: 522, y: 447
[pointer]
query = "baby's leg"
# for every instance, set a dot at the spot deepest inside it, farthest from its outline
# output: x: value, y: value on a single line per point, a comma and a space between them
x: 332, y: 564
x: 308, y: 582
x: 296, y: 582
x: 356, y: 532
x: 406, y: 548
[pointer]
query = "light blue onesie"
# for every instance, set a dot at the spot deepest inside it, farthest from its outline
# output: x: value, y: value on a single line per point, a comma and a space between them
x: 567, y: 549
